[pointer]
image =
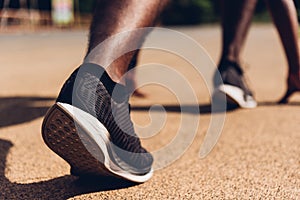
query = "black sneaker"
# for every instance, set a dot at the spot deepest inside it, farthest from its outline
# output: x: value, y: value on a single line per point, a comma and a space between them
x: 90, y: 127
x: 234, y: 86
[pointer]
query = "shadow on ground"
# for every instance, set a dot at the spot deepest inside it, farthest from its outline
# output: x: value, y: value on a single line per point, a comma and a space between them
x: 58, y: 188
x: 203, y: 108
x: 267, y: 103
x: 188, y: 109
x: 17, y: 110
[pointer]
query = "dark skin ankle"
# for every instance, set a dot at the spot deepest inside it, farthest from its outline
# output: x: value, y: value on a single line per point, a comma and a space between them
x: 293, y: 83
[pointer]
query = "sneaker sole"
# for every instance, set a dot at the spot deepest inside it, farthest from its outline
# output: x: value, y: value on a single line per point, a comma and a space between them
x: 236, y: 95
x: 82, y: 141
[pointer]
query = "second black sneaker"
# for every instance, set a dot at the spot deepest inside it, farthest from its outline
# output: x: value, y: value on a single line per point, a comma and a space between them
x: 233, y: 85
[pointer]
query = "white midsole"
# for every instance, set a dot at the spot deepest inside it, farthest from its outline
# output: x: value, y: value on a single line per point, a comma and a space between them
x: 237, y: 94
x: 96, y: 130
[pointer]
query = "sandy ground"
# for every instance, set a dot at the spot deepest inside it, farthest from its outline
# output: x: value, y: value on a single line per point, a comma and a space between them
x: 256, y: 157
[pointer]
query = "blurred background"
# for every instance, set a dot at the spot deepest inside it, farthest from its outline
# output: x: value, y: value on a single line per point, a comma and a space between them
x: 78, y: 13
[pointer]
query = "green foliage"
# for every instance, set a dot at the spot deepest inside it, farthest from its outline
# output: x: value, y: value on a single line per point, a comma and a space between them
x: 297, y: 3
x: 188, y: 12
x: 86, y: 6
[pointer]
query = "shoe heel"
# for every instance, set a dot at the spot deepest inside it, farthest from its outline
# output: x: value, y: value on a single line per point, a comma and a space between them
x: 72, y: 134
x: 69, y: 141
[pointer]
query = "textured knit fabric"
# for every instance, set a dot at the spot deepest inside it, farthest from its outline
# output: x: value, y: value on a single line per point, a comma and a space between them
x: 91, y: 89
